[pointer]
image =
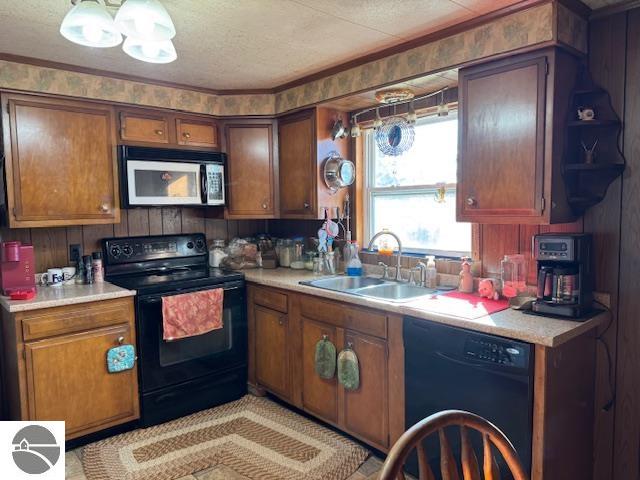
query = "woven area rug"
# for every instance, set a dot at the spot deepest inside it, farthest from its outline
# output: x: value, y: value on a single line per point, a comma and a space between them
x: 252, y: 436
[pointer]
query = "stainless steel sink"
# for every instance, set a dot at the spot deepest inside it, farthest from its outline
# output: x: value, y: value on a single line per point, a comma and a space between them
x: 396, y: 292
x: 371, y: 287
x: 342, y: 284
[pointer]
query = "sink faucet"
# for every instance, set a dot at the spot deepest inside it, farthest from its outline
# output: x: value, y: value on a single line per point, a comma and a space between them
x: 389, y: 232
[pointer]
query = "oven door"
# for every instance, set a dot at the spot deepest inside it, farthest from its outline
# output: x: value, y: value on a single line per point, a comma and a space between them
x: 165, y: 363
x: 163, y: 183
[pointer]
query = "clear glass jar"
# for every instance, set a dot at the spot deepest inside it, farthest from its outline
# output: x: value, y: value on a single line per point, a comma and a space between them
x: 286, y: 252
x: 217, y: 252
x: 513, y: 273
x: 297, y: 255
x: 318, y: 265
x: 309, y: 258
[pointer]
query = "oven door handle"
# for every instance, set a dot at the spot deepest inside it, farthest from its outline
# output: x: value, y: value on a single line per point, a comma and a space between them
x: 227, y: 286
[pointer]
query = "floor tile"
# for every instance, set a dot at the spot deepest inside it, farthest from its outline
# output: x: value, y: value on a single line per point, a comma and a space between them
x: 219, y: 472
x: 371, y: 466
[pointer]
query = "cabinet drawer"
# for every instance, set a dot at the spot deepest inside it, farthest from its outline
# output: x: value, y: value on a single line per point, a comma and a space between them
x: 144, y: 127
x: 197, y: 133
x: 75, y: 318
x: 353, y: 318
x: 270, y: 299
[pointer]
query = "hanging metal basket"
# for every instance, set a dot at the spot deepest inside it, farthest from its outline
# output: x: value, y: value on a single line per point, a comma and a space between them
x: 395, y: 136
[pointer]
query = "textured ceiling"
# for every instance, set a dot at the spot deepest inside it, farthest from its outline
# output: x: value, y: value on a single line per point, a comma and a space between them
x: 244, y: 44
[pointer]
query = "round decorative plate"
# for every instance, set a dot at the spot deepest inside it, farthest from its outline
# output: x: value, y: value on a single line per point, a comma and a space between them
x: 395, y: 136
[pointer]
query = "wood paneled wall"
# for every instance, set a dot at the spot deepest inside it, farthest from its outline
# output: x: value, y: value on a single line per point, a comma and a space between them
x: 51, y: 245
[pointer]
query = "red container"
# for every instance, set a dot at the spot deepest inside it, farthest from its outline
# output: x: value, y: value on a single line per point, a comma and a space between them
x: 17, y: 267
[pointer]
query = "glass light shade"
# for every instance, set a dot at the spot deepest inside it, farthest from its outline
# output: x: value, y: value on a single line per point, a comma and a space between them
x: 146, y: 20
x: 89, y: 23
x: 152, y: 52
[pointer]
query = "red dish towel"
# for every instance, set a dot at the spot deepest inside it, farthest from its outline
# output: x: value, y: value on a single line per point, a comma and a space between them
x: 472, y: 306
x: 190, y: 314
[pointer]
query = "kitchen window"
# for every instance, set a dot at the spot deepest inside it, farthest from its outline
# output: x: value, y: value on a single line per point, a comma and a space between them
x: 404, y: 193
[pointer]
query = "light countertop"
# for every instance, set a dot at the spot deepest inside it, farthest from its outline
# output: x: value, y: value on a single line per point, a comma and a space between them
x: 47, y: 297
x: 508, y: 323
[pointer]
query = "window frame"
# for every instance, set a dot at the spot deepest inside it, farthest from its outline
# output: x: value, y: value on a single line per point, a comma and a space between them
x: 370, y: 192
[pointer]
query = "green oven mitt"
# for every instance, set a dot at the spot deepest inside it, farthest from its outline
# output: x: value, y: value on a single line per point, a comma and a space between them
x: 348, y: 369
x: 325, y: 358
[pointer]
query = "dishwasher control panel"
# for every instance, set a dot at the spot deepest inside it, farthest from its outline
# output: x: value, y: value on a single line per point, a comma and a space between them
x: 496, y: 352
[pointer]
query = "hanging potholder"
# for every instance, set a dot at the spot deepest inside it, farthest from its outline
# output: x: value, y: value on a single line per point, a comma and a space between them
x: 348, y: 369
x: 121, y: 358
x: 325, y: 359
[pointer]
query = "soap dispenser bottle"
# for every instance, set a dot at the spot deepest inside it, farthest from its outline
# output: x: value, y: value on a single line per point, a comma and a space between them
x: 432, y: 273
x: 354, y: 267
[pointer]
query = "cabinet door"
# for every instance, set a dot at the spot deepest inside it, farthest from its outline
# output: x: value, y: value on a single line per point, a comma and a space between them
x: 67, y: 379
x: 297, y: 165
x: 61, y: 165
x: 145, y: 127
x: 319, y: 396
x: 272, y: 350
x: 197, y: 133
x: 366, y: 412
x: 250, y: 170
x: 502, y: 141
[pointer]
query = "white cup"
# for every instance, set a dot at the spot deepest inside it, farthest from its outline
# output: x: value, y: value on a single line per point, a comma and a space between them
x: 53, y: 277
x: 68, y: 274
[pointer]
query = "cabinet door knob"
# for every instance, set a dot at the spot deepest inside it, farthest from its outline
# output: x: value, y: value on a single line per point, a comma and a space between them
x: 306, y: 205
x: 104, y: 208
x: 280, y: 322
x: 186, y: 135
x: 471, y: 201
x: 159, y: 132
x: 264, y: 206
x: 120, y: 340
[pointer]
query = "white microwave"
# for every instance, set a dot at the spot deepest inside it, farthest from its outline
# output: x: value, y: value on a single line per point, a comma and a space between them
x: 160, y: 177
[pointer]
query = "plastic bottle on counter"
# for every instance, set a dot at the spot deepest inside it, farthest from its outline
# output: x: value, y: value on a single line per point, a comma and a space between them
x: 96, y: 267
x: 217, y: 253
x: 354, y: 267
x: 88, y: 271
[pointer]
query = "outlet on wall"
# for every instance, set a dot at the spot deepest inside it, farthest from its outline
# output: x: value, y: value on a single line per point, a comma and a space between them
x: 75, y: 252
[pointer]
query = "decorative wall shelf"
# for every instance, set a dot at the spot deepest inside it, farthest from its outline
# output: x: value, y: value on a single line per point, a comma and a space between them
x: 587, y: 179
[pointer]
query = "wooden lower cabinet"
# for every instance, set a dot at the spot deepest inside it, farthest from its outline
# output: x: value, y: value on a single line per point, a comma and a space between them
x: 272, y: 354
x: 319, y: 395
x: 54, y: 365
x: 278, y: 355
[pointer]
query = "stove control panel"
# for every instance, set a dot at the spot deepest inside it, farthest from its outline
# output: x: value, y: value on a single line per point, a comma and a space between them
x: 140, y: 249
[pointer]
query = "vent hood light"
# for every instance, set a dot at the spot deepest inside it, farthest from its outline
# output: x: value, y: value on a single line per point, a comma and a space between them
x: 89, y: 23
x: 152, y: 52
x: 146, y: 20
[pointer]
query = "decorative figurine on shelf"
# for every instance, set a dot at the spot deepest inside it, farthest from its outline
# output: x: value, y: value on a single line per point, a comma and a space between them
x: 466, y: 278
x: 589, y: 152
x: 586, y: 114
x: 487, y: 289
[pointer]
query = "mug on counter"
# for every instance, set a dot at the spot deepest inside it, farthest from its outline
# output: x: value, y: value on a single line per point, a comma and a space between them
x: 53, y: 277
x: 68, y: 274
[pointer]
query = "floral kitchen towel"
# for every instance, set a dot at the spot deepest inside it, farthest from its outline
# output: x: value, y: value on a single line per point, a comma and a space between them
x: 190, y: 314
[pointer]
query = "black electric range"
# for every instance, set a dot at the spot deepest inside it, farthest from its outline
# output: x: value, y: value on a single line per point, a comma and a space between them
x: 186, y: 375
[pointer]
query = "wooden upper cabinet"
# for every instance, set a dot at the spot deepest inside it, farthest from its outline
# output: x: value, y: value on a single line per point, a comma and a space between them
x: 297, y: 165
x: 511, y: 136
x: 146, y: 127
x: 61, y: 166
x: 197, y: 133
x: 272, y: 350
x: 250, y: 170
x: 152, y: 127
x: 304, y: 142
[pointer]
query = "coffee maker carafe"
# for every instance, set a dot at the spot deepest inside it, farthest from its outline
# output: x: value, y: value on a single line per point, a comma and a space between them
x: 565, y: 275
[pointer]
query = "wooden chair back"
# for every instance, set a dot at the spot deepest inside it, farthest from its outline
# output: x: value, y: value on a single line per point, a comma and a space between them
x: 491, y: 435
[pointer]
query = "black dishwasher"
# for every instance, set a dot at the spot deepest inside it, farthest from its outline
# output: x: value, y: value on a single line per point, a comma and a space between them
x: 452, y: 368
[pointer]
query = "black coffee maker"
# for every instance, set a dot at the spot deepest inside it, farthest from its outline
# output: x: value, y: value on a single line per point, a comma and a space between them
x: 565, y: 274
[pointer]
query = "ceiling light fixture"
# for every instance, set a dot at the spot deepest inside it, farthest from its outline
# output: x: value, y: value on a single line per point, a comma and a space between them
x: 89, y: 23
x: 146, y: 23
x: 146, y: 20
x: 152, y: 52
